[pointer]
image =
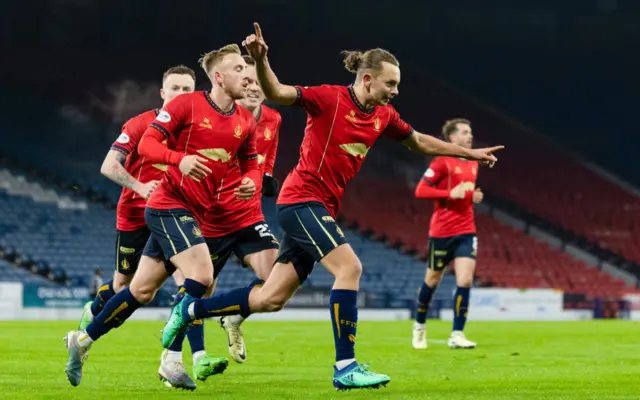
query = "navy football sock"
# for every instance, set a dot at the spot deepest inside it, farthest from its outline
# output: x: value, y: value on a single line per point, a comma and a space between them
x: 114, y: 313
x: 344, y: 317
x: 424, y: 299
x: 104, y: 294
x: 194, y: 288
x: 461, y: 304
x: 196, y: 336
x: 233, y: 302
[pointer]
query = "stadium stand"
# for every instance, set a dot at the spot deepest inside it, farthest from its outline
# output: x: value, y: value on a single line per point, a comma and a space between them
x: 507, y: 257
x: 69, y: 242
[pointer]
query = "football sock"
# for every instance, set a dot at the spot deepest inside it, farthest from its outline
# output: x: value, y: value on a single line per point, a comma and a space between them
x: 114, y: 313
x: 424, y: 299
x: 344, y: 318
x: 461, y: 304
x: 104, y: 294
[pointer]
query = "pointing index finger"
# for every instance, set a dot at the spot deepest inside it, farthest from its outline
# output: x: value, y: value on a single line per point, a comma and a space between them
x: 256, y: 26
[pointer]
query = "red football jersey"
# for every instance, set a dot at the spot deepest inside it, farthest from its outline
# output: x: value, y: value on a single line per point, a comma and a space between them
x: 452, y: 217
x: 130, y: 211
x: 338, y: 136
x: 229, y: 213
x: 194, y: 124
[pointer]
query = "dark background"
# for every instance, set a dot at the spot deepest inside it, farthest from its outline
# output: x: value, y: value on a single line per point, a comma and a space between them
x: 567, y: 68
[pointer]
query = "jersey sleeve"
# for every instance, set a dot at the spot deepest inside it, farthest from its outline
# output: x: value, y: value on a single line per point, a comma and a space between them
x: 436, y: 172
x: 173, y: 116
x: 271, y: 156
x: 397, y: 129
x: 314, y: 99
x: 130, y: 136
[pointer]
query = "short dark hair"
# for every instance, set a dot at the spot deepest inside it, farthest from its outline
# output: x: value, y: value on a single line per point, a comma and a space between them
x: 451, y: 126
x: 179, y: 70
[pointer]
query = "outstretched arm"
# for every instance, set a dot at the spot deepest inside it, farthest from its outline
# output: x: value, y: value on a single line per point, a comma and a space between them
x: 429, y: 145
x: 271, y: 86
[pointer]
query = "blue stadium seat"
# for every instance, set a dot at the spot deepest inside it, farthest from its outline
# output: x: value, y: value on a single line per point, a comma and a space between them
x: 75, y: 242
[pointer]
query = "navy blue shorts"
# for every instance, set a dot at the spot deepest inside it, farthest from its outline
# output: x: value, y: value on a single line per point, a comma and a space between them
x: 248, y: 240
x: 129, y: 247
x: 310, y: 233
x: 172, y: 232
x: 443, y: 250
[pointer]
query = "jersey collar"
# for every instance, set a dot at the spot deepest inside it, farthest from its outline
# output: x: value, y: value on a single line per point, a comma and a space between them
x: 218, y: 109
x: 355, y: 101
x: 259, y: 113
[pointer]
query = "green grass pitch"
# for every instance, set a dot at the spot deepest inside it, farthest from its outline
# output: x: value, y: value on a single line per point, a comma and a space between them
x: 293, y: 360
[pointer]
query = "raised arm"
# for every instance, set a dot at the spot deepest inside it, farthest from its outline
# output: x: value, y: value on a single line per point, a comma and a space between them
x: 271, y: 86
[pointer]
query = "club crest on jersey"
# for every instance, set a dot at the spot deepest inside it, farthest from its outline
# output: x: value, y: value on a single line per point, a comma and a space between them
x: 238, y: 132
x: 376, y: 124
x: 163, y: 116
x: 221, y: 155
x: 261, y: 159
x: 351, y: 117
x: 206, y: 123
x: 267, y: 134
x: 457, y: 170
x: 358, y: 150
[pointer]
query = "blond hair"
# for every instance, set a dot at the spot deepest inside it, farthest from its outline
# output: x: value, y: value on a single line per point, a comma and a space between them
x: 451, y: 126
x: 371, y: 60
x: 212, y: 58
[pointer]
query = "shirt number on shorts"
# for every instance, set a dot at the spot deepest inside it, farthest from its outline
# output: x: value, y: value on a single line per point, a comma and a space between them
x: 263, y: 230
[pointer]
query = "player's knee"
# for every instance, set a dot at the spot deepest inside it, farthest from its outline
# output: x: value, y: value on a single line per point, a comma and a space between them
x: 273, y: 302
x: 433, y: 278
x: 205, y: 280
x: 464, y: 281
x: 118, y: 285
x: 144, y: 294
x: 203, y: 275
x: 349, y: 272
x: 121, y: 281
